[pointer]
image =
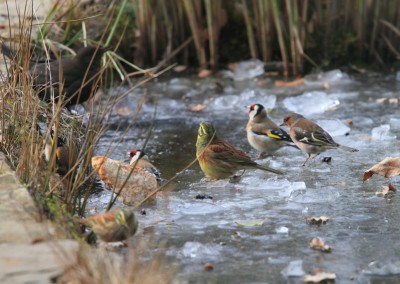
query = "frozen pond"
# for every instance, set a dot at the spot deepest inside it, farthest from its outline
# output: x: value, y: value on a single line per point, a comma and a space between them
x: 254, y: 229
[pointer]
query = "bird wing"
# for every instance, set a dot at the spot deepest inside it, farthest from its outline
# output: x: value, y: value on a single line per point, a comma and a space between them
x: 278, y: 134
x: 316, y: 138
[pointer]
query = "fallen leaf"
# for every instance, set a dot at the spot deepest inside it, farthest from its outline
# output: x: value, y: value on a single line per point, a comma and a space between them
x: 319, y: 244
x: 232, y: 66
x: 208, y: 266
x: 297, y: 82
x: 386, y: 189
x: 319, y: 277
x: 252, y: 223
x: 326, y: 85
x: 236, y: 236
x: 124, y: 111
x: 317, y: 220
x: 197, y: 108
x: 388, y: 167
x: 204, y: 73
x: 180, y: 68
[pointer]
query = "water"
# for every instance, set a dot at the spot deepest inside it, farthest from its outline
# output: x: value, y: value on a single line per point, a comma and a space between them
x: 254, y: 229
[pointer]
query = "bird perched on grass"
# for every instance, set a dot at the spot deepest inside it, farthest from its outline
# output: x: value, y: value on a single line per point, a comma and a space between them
x: 113, y: 226
x: 139, y: 159
x: 65, y: 156
x: 263, y: 134
x: 310, y: 137
x: 218, y: 159
x: 75, y: 79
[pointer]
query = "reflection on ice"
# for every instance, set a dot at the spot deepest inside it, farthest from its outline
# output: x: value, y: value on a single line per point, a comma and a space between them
x: 333, y: 77
x: 310, y: 103
x: 282, y: 230
x: 383, y: 268
x: 294, y: 269
x: 382, y: 133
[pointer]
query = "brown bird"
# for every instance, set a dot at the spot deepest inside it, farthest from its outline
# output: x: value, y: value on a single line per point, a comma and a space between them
x: 310, y: 137
x: 113, y: 226
x: 139, y: 159
x: 133, y: 184
x: 218, y: 159
x: 75, y: 79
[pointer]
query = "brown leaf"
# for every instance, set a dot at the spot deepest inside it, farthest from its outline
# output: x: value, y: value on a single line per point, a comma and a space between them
x: 197, y: 108
x: 319, y: 277
x: 388, y: 167
x: 297, y: 82
x: 319, y: 244
x: 204, y: 73
x: 208, y: 266
x: 180, y: 68
x: 386, y: 189
x: 317, y: 220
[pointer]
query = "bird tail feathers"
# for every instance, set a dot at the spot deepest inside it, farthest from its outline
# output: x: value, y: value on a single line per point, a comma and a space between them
x: 268, y: 169
x: 348, y: 149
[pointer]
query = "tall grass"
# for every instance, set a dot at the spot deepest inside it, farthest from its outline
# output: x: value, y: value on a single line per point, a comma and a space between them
x: 300, y: 33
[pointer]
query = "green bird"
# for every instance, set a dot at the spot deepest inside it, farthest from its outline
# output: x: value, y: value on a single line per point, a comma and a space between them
x: 218, y: 159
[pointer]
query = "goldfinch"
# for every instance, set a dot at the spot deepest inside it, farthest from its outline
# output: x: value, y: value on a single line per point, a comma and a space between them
x: 310, y: 137
x: 218, y: 159
x: 263, y: 134
x: 139, y: 159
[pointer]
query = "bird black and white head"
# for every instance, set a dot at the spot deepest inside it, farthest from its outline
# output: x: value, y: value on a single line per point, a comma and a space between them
x: 135, y: 155
x: 255, y: 110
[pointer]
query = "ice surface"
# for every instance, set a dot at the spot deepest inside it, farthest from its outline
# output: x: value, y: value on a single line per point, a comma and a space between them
x: 310, y: 103
x: 333, y: 126
x: 198, y: 250
x: 381, y: 268
x: 398, y: 76
x: 382, y: 133
x: 282, y: 230
x: 333, y: 77
x: 241, y: 101
x: 248, y: 69
x: 293, y: 269
x: 394, y: 123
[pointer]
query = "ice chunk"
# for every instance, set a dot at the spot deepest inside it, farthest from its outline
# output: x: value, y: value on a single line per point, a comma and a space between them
x: 251, y: 96
x: 333, y: 77
x: 310, y: 103
x: 333, y: 126
x: 239, y: 102
x: 282, y: 230
x: 197, y: 250
x: 293, y: 269
x: 382, y: 133
x: 380, y: 268
x: 248, y: 69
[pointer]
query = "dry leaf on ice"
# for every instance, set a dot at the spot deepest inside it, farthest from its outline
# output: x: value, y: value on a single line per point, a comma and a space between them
x: 385, y: 190
x: 319, y: 244
x: 197, y: 108
x: 319, y: 277
x: 317, y: 220
x: 388, y: 167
